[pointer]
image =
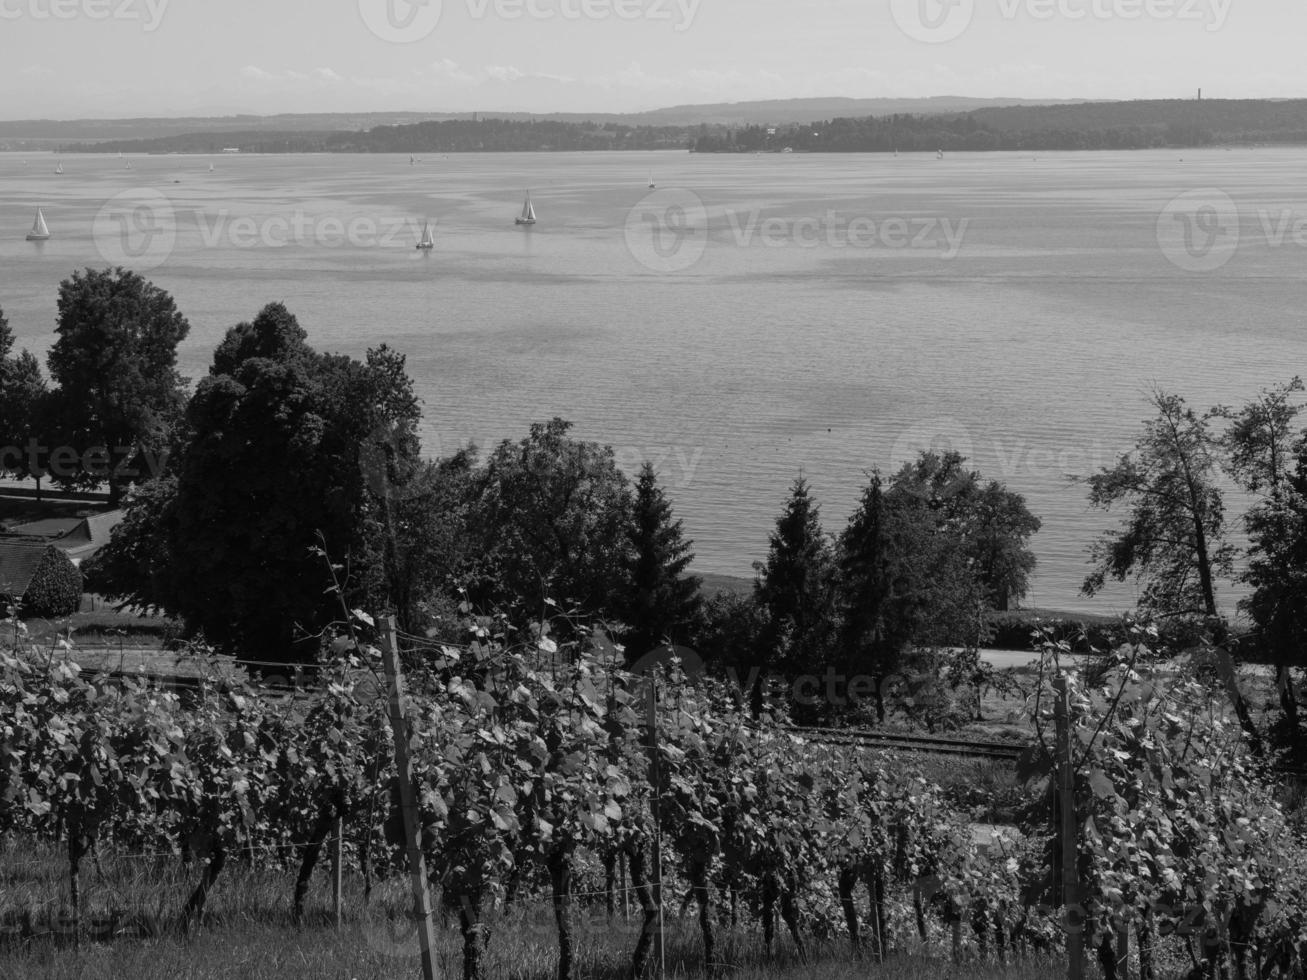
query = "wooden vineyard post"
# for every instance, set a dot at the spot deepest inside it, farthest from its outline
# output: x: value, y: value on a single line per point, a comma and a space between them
x: 621, y: 885
x: 1075, y: 937
x: 658, y: 830
x: 337, y: 843
x: 407, y: 801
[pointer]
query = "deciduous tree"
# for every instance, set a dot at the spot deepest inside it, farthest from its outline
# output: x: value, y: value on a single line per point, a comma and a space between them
x: 1173, y: 537
x: 290, y: 449
x: 115, y: 364
x: 552, y: 515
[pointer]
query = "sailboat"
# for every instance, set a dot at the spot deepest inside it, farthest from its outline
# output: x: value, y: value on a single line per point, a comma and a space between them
x: 211, y: 168
x: 426, y: 242
x: 39, y: 232
x: 58, y: 168
x: 129, y: 165
x: 411, y: 161
x: 528, y: 215
x: 651, y: 180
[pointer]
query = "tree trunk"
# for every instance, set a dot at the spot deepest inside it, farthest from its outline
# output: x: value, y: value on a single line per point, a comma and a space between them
x: 469, y: 920
x: 790, y: 913
x: 1288, y: 699
x: 309, y: 860
x: 699, y: 878
x: 560, y: 878
x: 879, y: 920
x: 1107, y: 958
x: 768, y: 912
x: 610, y: 884
x: 919, y: 910
x: 644, y: 894
x: 847, y: 880
x: 1144, y: 934
x: 77, y: 848
x: 195, y: 904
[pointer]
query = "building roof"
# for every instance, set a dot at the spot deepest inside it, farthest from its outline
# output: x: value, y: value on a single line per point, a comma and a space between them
x: 78, y: 537
x: 19, y: 560
x: 50, y: 527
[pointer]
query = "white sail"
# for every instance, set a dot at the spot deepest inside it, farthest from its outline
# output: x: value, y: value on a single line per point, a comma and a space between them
x: 59, y: 168
x: 210, y: 168
x: 426, y: 241
x: 39, y: 232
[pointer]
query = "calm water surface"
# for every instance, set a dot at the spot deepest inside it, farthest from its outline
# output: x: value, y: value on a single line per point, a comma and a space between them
x: 1019, y: 310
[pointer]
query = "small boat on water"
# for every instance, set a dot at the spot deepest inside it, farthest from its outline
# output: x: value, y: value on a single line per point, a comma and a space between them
x: 528, y: 215
x: 129, y: 165
x: 652, y: 185
x: 39, y: 232
x: 210, y: 168
x: 426, y: 242
x: 58, y: 168
x: 411, y: 161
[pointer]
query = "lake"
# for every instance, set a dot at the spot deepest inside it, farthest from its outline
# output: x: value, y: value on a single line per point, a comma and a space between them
x: 750, y: 319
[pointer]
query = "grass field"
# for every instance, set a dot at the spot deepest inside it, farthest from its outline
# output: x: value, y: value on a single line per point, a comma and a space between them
x: 249, y: 934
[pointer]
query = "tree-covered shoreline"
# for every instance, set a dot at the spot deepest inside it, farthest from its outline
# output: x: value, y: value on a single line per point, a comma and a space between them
x: 1143, y: 124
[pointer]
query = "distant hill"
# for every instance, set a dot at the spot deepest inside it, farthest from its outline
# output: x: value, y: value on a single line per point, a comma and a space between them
x: 774, y: 112
x: 780, y: 112
x: 1065, y: 126
x: 1141, y: 124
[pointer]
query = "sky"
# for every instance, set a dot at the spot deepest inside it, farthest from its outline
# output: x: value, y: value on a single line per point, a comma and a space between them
x: 97, y: 58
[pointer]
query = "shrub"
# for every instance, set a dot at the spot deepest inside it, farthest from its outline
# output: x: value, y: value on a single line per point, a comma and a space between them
x: 55, y: 589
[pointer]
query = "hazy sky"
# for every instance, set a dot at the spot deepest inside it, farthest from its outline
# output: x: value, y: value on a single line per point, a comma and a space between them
x: 70, y: 58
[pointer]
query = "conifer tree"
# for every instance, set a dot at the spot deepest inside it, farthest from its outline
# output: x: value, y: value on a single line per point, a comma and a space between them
x: 661, y: 602
x: 793, y: 588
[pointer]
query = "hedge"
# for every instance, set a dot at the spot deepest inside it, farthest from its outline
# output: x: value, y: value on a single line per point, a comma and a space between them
x: 55, y: 589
